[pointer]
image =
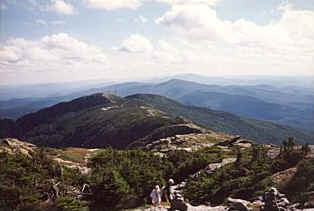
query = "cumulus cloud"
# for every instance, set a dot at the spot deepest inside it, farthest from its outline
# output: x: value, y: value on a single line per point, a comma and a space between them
x: 166, y: 53
x: 281, y: 45
x: 198, y: 20
x: 201, y: 21
x: 143, y: 19
x: 298, y: 23
x: 176, y: 2
x: 159, y: 52
x: 59, y: 52
x: 64, y: 7
x: 134, y: 4
x: 193, y: 39
x: 136, y: 44
x: 140, y: 19
x: 113, y: 4
x: 61, y: 7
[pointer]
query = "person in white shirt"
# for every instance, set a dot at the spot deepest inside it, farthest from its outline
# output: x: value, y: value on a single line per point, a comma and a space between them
x: 156, y: 196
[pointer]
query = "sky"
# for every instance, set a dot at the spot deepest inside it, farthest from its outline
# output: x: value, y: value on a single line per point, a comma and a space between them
x: 43, y: 41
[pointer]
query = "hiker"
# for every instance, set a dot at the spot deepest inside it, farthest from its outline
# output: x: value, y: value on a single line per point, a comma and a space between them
x: 169, y: 191
x: 156, y: 196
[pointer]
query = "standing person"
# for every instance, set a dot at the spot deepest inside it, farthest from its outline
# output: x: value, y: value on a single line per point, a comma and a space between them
x: 169, y: 191
x: 156, y: 196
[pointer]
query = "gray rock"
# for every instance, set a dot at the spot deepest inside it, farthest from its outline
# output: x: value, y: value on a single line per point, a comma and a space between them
x: 238, y: 204
x: 229, y: 142
x: 275, y: 201
x: 189, y: 208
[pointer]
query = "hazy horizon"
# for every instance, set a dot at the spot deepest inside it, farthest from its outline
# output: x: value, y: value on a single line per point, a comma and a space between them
x: 157, y: 79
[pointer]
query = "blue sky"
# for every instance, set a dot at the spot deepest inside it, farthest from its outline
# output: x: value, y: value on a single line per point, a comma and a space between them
x: 65, y: 40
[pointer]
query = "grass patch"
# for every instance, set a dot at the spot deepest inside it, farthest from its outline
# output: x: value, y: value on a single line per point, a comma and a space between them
x: 77, y: 155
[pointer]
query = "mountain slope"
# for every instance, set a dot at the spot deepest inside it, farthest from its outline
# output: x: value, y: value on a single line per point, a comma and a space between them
x: 263, y: 131
x: 49, y: 114
x: 8, y: 128
x: 251, y: 107
x: 100, y: 120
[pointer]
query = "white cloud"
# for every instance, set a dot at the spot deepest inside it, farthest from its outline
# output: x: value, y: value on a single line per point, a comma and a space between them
x: 199, y: 41
x: 41, y: 22
x: 113, y: 4
x: 134, y: 4
x: 140, y: 19
x: 170, y: 53
x: 58, y: 6
x: 53, y: 23
x: 201, y: 21
x: 278, y: 47
x: 143, y: 19
x: 62, y: 7
x: 59, y: 52
x: 160, y: 52
x: 193, y: 39
x: 198, y: 20
x: 136, y: 44
x: 298, y: 23
x: 176, y: 2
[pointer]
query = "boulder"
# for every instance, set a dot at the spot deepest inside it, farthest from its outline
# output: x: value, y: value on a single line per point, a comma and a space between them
x: 229, y: 142
x: 257, y: 205
x: 238, y: 204
x: 178, y: 203
x: 283, y: 177
x: 275, y: 201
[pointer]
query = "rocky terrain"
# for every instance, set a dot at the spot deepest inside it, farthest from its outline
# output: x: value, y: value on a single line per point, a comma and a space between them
x: 103, y: 152
x: 80, y: 158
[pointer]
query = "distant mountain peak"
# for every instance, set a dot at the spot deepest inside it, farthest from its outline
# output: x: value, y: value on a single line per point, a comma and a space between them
x: 175, y: 80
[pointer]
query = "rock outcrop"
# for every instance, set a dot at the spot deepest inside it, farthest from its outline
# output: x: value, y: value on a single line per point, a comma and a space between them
x: 275, y: 201
x: 283, y: 177
x: 272, y: 200
x: 238, y: 204
x: 229, y: 142
x: 12, y: 146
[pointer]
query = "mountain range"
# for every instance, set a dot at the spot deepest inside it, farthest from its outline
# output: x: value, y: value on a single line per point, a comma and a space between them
x: 101, y: 120
x: 287, y: 105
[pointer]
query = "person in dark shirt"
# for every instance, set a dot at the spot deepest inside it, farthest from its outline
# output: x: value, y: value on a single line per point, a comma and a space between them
x: 168, y: 191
